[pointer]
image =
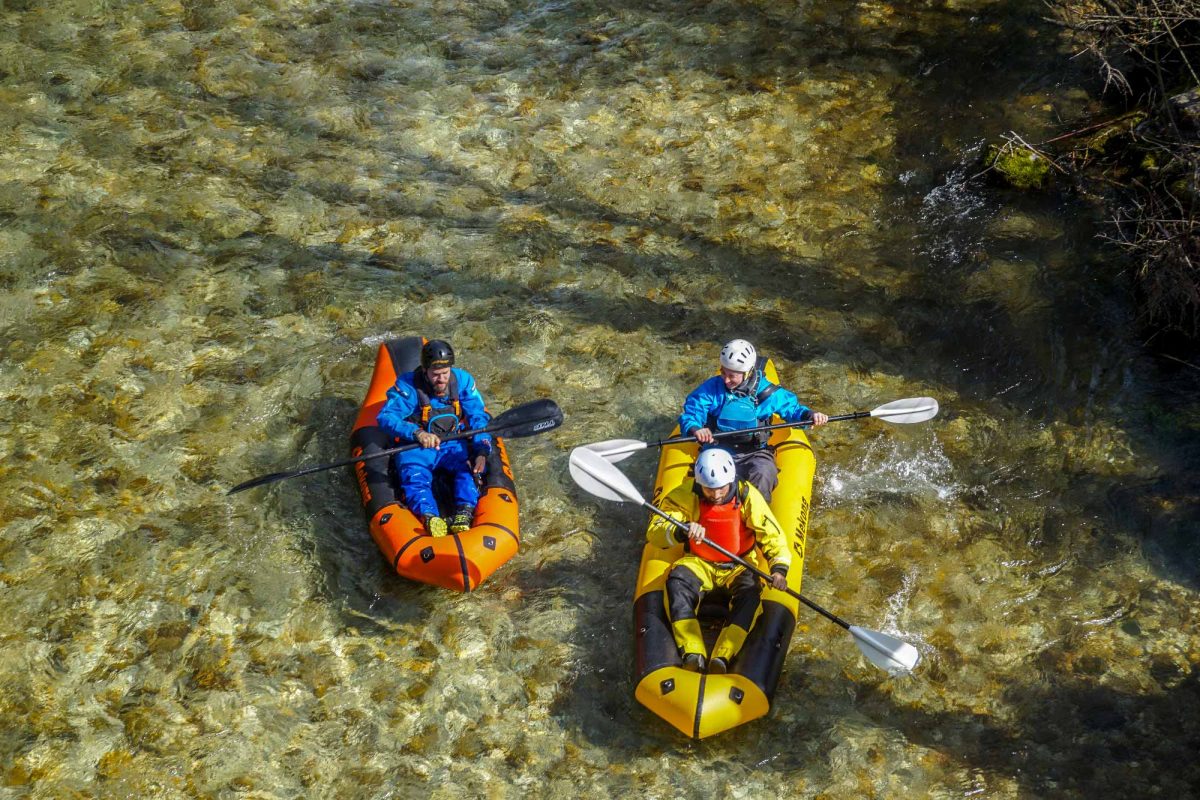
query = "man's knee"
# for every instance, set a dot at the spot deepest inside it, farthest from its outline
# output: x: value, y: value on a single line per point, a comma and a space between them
x: 420, y: 458
x: 761, y: 471
x: 684, y: 579
x: 747, y: 592
x: 417, y: 474
x: 683, y: 593
x: 452, y: 455
x: 765, y: 472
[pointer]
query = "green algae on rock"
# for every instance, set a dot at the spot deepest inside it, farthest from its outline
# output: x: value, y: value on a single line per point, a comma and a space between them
x: 1020, y: 167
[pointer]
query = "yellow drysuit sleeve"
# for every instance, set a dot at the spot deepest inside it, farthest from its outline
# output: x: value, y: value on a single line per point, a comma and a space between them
x: 759, y: 517
x: 680, y: 504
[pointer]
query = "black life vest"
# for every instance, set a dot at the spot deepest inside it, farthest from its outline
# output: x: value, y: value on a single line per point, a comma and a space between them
x: 438, y: 421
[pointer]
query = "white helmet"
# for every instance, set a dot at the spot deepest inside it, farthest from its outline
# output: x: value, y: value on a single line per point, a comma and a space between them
x: 714, y: 468
x: 739, y: 356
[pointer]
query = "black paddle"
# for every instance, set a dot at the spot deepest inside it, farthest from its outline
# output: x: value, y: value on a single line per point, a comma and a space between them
x: 527, y: 419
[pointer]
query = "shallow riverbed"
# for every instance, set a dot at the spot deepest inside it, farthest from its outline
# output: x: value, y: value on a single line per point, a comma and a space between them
x: 213, y: 213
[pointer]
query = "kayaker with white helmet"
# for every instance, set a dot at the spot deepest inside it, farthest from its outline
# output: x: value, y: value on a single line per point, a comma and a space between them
x: 715, y: 505
x: 741, y: 397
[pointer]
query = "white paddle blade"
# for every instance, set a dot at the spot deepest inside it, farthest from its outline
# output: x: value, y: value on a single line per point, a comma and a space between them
x: 596, y: 476
x: 914, y: 409
x: 886, y: 652
x: 615, y: 450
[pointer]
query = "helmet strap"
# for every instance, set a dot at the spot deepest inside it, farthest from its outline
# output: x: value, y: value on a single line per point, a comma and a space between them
x: 748, y: 384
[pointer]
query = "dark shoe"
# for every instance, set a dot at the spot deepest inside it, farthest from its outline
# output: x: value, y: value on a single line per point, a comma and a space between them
x: 435, y: 526
x: 718, y: 666
x: 462, y: 519
x: 693, y: 662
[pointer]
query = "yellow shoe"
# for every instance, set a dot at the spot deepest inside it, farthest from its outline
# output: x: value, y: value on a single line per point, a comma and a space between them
x: 462, y: 519
x: 435, y: 526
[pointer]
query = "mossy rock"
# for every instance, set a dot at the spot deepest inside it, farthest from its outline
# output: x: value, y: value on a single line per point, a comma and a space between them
x: 1020, y: 168
x: 1117, y: 135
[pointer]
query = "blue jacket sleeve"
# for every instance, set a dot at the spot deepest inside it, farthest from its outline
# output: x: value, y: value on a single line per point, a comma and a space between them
x: 696, y: 408
x: 473, y: 409
x: 786, y: 405
x: 393, y: 417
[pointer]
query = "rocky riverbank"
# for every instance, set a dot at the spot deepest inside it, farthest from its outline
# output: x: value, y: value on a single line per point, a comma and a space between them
x: 1139, y: 156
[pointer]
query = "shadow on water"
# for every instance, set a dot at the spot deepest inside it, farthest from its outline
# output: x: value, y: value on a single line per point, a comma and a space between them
x: 324, y: 512
x: 598, y: 701
x: 943, y: 59
x: 688, y: 319
x: 1069, y: 740
x: 1056, y: 732
x: 975, y: 346
x: 1162, y: 515
x: 601, y: 590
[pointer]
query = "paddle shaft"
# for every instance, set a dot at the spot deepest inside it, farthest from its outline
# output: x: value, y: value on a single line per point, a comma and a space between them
x: 827, y: 614
x: 279, y: 476
x: 527, y: 419
x: 388, y: 452
x: 776, y: 426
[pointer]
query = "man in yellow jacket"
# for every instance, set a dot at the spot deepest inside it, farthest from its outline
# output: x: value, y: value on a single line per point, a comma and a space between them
x: 732, y: 513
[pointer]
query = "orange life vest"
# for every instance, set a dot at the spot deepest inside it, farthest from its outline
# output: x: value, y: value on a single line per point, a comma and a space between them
x: 723, y: 525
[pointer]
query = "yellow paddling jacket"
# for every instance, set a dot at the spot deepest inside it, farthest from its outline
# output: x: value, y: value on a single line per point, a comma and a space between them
x: 683, y: 504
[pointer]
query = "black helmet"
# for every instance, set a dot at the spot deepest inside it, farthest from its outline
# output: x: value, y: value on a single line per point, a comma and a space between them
x: 436, y: 354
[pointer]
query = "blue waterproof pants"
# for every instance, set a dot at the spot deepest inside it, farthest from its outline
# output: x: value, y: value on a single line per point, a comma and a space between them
x: 416, y: 467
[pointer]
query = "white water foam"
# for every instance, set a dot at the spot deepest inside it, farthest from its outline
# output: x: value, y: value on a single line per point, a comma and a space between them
x: 949, y: 213
x: 897, y: 604
x: 891, y: 467
x: 379, y: 338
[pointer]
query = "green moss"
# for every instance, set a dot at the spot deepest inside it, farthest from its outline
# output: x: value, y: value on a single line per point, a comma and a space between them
x: 1116, y: 134
x: 1021, y: 168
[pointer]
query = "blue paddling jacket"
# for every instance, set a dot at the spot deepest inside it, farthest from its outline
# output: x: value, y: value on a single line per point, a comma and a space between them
x: 411, y: 406
x: 712, y: 406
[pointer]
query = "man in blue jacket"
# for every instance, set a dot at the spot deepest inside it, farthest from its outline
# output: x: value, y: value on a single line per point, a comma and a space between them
x: 737, y: 399
x: 431, y: 402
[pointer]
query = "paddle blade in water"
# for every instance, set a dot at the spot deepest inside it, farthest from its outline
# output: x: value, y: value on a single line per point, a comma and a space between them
x: 914, y: 409
x: 615, y: 450
x: 890, y: 654
x: 596, y: 476
x: 259, y: 481
x: 529, y: 419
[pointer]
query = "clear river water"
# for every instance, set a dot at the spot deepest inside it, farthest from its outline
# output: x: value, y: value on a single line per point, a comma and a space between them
x: 213, y: 211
